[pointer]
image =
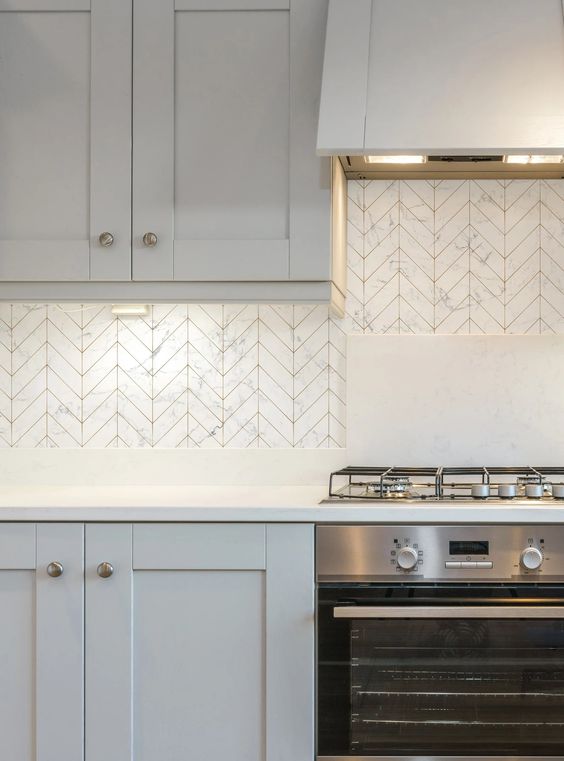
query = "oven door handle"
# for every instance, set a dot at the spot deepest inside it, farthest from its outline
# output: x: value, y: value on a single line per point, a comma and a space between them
x: 454, y: 611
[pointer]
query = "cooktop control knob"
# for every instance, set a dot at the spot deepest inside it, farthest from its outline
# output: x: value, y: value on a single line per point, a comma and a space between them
x: 531, y: 559
x: 407, y: 558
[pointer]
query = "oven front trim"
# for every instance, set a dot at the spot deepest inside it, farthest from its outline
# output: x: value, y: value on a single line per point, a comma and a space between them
x: 439, y: 758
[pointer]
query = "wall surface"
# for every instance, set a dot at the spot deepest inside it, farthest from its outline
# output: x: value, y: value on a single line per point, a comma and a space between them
x: 423, y: 257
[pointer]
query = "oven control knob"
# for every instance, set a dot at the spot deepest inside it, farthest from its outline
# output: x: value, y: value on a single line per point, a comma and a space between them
x: 531, y: 559
x: 407, y: 558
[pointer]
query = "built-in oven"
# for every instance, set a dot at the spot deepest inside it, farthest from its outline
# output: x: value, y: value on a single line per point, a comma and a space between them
x: 458, y: 653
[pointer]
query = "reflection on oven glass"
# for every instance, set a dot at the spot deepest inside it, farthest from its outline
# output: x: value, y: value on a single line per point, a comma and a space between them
x: 436, y: 687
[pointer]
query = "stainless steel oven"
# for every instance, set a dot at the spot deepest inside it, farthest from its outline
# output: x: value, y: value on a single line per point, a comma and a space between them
x: 440, y: 642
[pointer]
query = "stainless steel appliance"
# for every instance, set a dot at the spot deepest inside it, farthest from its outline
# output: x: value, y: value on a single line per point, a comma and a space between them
x: 440, y: 642
x: 448, y: 483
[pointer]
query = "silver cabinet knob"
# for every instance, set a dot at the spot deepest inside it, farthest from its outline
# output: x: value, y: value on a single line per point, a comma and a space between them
x: 150, y: 240
x: 106, y: 239
x: 105, y: 570
x: 55, y: 569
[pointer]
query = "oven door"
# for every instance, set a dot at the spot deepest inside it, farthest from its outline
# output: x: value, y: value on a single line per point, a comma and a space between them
x: 440, y: 671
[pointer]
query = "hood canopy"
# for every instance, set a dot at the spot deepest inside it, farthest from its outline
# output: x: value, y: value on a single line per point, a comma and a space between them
x: 461, y: 85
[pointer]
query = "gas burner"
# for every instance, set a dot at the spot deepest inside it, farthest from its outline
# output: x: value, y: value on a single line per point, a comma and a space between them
x: 393, y: 487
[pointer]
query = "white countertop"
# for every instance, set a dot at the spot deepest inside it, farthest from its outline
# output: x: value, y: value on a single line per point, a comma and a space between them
x: 298, y: 504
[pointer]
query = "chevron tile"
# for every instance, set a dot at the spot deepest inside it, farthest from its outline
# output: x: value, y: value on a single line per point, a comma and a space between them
x: 552, y: 257
x: 487, y: 256
x: 276, y: 375
x: 29, y: 375
x: 355, y: 257
x: 64, y: 375
x: 99, y: 378
x: 311, y: 376
x: 205, y: 375
x: 452, y: 256
x: 170, y: 375
x: 381, y: 257
x: 522, y: 256
x: 417, y: 261
x: 240, y: 376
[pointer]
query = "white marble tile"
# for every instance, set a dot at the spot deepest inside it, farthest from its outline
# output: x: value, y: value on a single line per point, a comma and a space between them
x: 205, y: 375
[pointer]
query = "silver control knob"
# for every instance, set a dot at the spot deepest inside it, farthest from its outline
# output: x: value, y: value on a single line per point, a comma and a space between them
x: 531, y: 559
x: 407, y: 558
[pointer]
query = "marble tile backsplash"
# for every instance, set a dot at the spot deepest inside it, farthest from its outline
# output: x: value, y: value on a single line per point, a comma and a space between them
x: 423, y: 257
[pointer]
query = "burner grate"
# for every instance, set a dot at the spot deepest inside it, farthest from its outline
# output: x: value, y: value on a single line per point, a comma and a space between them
x: 447, y: 483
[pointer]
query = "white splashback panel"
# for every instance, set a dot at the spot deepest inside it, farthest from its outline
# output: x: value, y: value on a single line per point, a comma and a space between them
x: 455, y: 400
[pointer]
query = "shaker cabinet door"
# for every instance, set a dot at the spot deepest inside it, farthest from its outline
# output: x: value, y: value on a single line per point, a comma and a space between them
x: 200, y: 644
x: 41, y: 642
x: 224, y: 123
x: 65, y: 140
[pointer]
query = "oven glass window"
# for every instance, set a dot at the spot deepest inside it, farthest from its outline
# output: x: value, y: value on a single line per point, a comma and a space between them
x: 436, y: 687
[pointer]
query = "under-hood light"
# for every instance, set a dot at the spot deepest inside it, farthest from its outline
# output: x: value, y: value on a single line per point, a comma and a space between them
x: 396, y: 159
x: 534, y: 159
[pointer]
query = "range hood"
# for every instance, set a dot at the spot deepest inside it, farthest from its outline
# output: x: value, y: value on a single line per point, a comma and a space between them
x: 435, y: 88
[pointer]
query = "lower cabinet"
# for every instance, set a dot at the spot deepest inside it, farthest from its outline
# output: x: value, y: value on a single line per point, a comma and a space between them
x: 41, y: 642
x: 196, y: 641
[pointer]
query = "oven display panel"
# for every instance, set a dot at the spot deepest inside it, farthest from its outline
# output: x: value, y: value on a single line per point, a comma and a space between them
x: 469, y: 548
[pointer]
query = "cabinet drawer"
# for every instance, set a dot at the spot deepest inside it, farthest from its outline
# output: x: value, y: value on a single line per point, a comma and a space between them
x: 199, y: 546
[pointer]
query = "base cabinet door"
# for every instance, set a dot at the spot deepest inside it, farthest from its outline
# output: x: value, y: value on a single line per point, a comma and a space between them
x: 200, y: 644
x: 41, y: 642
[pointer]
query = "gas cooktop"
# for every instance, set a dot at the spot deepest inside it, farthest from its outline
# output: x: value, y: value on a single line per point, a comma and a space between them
x: 532, y: 484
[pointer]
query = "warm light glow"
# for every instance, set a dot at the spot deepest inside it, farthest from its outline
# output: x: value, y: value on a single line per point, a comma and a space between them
x: 396, y: 159
x: 130, y: 310
x: 533, y: 159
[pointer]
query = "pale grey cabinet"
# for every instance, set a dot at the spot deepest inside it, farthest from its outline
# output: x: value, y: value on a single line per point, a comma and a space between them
x: 225, y: 174
x: 65, y: 139
x: 200, y: 644
x: 41, y: 642
x: 150, y: 147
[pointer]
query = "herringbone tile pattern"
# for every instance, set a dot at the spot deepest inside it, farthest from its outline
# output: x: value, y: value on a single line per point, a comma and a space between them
x: 454, y: 256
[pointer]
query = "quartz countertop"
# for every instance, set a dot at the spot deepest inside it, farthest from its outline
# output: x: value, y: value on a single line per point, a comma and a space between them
x: 248, y: 504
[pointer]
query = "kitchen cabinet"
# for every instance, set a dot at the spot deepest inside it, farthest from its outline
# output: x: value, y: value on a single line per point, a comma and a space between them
x: 200, y: 644
x: 65, y: 140
x: 41, y: 641
x: 225, y: 119
x: 148, y: 641
x: 164, y: 151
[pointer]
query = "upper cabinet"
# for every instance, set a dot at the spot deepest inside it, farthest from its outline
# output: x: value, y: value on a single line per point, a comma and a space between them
x: 168, y: 141
x: 65, y: 139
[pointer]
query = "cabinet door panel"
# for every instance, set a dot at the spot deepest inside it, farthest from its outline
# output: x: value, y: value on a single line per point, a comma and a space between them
x: 231, y: 151
x: 41, y: 643
x: 17, y: 653
x: 199, y: 665
x: 57, y: 87
x: 215, y: 160
x: 222, y: 657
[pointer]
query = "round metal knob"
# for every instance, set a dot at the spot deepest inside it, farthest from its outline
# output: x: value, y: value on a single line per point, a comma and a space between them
x: 105, y: 570
x: 407, y: 558
x: 55, y: 569
x: 150, y: 240
x: 106, y: 239
x: 531, y: 559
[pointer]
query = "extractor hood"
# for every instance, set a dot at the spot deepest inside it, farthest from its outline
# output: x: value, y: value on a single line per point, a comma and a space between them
x: 434, y: 88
